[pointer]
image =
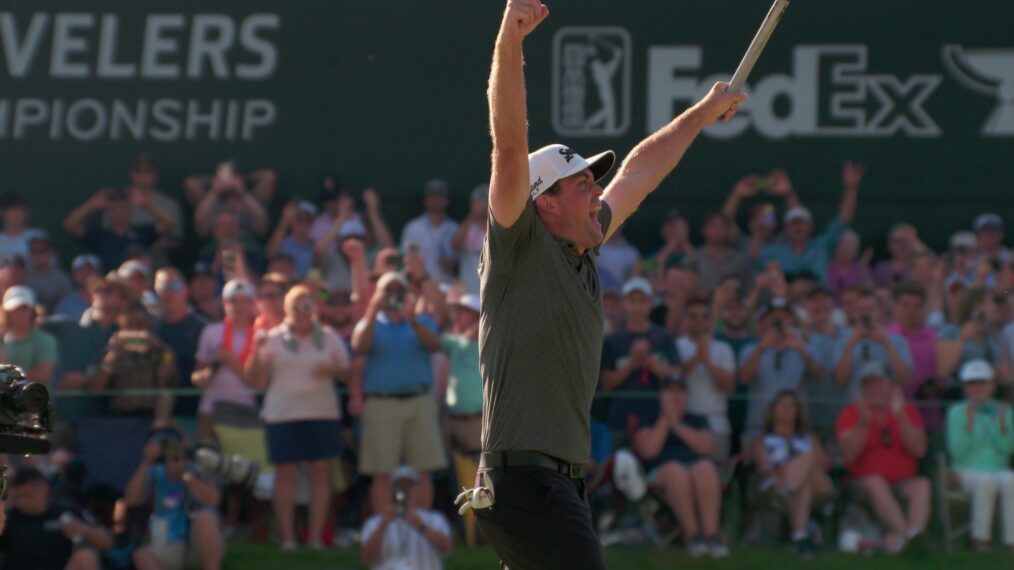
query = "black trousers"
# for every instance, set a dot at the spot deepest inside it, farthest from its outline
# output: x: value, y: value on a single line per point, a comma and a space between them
x: 539, y: 521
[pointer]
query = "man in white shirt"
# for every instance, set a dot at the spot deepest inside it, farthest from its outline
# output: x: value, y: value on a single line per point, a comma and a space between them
x: 406, y: 537
x: 431, y: 233
x: 709, y: 366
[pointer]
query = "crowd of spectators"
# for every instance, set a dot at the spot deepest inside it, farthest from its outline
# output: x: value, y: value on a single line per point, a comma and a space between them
x: 302, y: 337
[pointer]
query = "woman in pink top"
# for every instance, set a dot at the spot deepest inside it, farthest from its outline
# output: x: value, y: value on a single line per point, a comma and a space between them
x: 297, y: 363
x: 222, y: 352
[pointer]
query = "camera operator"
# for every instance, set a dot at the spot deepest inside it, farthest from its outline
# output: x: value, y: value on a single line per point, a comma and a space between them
x: 405, y: 536
x: 184, y: 527
x: 41, y: 534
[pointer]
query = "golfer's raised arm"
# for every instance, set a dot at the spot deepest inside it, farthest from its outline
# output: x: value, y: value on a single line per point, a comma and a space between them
x: 508, y: 117
x: 656, y: 156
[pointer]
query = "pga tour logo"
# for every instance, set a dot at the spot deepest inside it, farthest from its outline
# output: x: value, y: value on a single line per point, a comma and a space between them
x: 591, y: 81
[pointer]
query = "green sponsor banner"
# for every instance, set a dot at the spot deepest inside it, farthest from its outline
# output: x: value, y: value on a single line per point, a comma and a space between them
x: 390, y: 94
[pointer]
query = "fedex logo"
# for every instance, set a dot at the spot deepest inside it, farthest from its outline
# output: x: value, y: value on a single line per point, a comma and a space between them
x: 829, y: 93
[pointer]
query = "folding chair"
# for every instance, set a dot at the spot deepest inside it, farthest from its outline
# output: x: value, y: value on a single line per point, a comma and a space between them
x: 949, y: 495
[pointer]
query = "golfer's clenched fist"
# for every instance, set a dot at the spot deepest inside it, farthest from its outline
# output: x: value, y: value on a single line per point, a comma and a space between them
x: 523, y: 16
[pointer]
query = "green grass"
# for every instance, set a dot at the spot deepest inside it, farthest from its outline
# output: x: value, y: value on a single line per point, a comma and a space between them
x: 256, y: 557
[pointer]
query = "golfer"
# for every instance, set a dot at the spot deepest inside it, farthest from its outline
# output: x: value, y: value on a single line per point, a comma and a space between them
x: 541, y: 319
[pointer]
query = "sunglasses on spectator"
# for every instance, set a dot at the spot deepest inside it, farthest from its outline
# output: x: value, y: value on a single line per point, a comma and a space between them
x: 170, y: 287
x: 304, y: 307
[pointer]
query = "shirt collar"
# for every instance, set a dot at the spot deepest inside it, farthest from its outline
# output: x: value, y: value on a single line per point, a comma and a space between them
x: 570, y: 248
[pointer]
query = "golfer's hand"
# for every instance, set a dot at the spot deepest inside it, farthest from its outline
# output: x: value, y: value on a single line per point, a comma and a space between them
x: 523, y: 16
x: 718, y: 104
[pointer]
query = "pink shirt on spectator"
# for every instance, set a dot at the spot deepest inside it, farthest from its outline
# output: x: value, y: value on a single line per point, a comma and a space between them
x: 839, y: 278
x: 294, y: 392
x: 226, y: 385
x: 922, y: 344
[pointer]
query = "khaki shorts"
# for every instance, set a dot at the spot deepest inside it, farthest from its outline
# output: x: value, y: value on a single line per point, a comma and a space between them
x: 401, y: 430
x: 176, y: 556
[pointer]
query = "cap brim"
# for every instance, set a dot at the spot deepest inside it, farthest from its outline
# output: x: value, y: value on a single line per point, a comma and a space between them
x: 11, y: 305
x: 601, y: 164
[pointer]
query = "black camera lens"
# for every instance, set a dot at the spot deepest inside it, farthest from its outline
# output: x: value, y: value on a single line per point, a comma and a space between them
x: 25, y: 396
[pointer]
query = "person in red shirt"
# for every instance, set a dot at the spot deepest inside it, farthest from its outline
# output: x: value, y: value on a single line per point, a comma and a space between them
x: 882, y: 439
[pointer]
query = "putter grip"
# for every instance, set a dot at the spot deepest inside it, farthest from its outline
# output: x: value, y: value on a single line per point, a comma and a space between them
x: 760, y: 40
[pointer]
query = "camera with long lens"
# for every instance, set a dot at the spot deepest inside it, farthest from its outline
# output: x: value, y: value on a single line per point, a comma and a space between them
x: 25, y: 413
x: 26, y: 417
x: 233, y: 469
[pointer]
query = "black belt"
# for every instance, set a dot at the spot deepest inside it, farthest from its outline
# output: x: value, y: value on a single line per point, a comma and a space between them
x: 507, y: 459
x: 398, y: 395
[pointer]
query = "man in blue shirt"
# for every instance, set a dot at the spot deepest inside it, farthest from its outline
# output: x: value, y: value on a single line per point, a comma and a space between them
x: 823, y: 397
x: 799, y: 250
x: 636, y: 357
x: 180, y: 329
x: 869, y: 341
x: 780, y: 360
x: 399, y: 415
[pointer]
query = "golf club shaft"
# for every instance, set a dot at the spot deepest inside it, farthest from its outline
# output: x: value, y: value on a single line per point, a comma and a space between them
x: 760, y: 40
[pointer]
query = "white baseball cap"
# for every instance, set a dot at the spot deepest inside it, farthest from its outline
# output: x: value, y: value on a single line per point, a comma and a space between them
x: 469, y: 301
x: 237, y: 287
x: 551, y: 163
x: 18, y: 296
x: 798, y: 213
x: 307, y: 207
x: 132, y: 266
x: 392, y: 277
x: 977, y: 370
x: 637, y: 284
x: 963, y: 240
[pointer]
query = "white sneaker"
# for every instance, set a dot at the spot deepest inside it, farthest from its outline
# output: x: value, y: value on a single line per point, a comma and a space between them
x: 717, y: 548
x: 697, y: 547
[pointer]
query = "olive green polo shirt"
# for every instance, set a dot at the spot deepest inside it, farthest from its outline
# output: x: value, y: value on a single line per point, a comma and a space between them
x: 540, y: 339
